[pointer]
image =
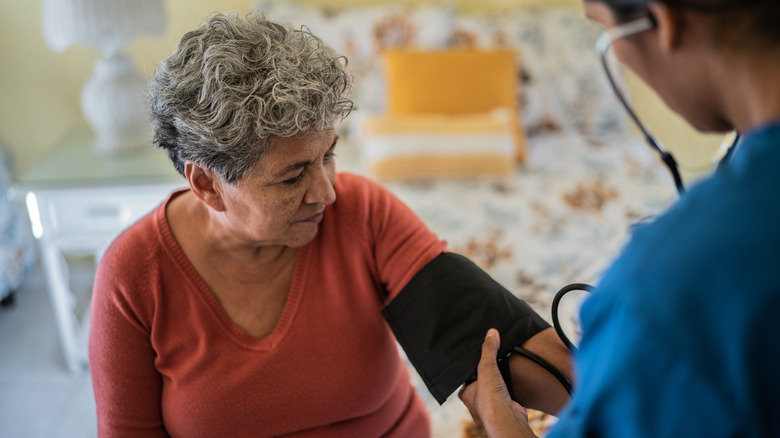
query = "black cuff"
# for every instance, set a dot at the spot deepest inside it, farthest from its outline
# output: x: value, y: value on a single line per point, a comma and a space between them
x: 441, y: 317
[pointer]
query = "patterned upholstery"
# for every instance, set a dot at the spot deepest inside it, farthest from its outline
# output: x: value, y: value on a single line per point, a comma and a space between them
x: 565, y: 213
x: 563, y: 87
x: 17, y: 249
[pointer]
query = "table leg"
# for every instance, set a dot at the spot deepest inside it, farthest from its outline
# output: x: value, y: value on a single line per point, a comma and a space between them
x: 63, y: 300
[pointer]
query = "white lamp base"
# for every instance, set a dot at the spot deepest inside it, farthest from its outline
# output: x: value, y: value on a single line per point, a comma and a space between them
x: 114, y: 103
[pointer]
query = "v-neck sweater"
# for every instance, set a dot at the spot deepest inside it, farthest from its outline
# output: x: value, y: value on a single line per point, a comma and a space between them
x: 167, y: 360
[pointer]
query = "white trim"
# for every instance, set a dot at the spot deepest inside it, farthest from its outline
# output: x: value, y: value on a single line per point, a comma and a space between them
x: 409, y: 145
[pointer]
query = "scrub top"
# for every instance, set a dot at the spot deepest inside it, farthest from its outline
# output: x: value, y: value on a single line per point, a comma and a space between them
x: 680, y: 338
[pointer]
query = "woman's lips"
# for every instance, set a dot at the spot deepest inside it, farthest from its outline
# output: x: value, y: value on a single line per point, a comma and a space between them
x: 312, y: 219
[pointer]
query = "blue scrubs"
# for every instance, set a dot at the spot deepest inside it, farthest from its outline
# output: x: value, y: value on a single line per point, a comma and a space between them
x: 682, y: 336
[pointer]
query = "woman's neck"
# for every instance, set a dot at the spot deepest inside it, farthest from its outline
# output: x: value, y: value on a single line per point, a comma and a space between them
x: 202, y: 237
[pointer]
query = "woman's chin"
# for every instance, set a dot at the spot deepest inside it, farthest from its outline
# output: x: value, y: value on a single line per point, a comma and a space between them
x: 303, y: 238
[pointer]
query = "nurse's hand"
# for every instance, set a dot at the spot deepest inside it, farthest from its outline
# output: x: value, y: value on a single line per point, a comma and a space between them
x: 488, y: 400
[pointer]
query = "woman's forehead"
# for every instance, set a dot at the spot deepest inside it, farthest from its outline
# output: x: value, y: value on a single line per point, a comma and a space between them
x: 286, y: 153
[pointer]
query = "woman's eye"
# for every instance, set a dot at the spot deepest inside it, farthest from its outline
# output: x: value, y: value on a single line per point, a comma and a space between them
x: 294, y: 180
x: 329, y: 156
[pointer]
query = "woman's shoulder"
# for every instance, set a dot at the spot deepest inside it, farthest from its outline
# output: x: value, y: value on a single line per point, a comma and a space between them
x: 136, y: 243
x: 362, y: 203
x: 359, y: 193
x: 354, y: 184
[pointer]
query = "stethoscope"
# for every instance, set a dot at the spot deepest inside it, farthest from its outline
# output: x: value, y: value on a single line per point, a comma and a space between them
x: 721, y: 157
x: 603, y: 45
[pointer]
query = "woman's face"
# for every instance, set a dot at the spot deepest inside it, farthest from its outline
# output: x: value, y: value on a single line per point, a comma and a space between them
x: 281, y: 200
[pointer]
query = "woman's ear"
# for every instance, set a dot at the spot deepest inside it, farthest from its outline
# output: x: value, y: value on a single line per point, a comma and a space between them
x: 204, y: 185
x: 669, y: 22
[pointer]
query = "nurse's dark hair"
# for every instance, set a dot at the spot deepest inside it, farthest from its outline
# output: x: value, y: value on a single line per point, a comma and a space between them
x: 756, y: 19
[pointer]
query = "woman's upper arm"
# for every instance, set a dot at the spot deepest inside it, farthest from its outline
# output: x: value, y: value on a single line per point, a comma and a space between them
x: 126, y: 384
x: 403, y: 244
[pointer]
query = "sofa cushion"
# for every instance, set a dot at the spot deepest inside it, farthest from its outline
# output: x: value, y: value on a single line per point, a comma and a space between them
x: 454, y: 82
x: 423, y: 146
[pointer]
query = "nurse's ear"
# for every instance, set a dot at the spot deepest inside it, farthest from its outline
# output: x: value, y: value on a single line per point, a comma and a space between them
x: 205, y: 185
x: 669, y: 25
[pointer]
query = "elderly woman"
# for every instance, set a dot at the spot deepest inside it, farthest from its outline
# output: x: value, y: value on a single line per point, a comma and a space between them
x: 680, y: 337
x: 266, y: 299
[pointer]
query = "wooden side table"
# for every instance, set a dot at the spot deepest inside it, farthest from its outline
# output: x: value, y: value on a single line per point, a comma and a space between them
x: 78, y: 202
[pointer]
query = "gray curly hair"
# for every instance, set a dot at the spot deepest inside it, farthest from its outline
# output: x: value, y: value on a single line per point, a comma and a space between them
x: 238, y: 82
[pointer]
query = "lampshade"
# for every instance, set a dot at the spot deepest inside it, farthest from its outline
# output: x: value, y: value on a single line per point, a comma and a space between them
x: 103, y: 24
x: 113, y: 99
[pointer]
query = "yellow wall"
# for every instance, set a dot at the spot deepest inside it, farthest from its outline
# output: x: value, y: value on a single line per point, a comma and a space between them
x: 39, y: 89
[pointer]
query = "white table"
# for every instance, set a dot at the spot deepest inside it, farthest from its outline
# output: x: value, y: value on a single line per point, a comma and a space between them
x: 78, y: 201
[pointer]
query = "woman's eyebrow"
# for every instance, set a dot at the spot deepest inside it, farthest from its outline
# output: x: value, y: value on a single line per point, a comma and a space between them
x: 302, y: 164
x: 291, y: 167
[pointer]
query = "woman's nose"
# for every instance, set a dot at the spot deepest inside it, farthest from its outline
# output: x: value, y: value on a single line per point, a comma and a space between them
x: 321, y: 190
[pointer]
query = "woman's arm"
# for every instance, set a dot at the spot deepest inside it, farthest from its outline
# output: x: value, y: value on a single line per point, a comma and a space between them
x: 126, y: 384
x: 441, y: 304
x: 534, y: 387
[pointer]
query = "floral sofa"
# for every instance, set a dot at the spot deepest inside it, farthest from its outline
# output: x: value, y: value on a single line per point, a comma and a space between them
x: 568, y: 208
x: 562, y: 84
x: 17, y: 248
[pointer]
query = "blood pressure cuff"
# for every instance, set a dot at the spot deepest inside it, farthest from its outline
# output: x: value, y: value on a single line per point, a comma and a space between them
x: 441, y: 317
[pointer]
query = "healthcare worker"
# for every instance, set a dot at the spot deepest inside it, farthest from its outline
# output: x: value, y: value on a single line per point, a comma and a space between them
x: 680, y: 338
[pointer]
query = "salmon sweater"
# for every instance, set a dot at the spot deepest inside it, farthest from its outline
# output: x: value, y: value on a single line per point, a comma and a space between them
x: 167, y: 360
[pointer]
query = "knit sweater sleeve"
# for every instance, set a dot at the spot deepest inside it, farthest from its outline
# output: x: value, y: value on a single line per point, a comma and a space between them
x: 126, y: 385
x: 400, y: 242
